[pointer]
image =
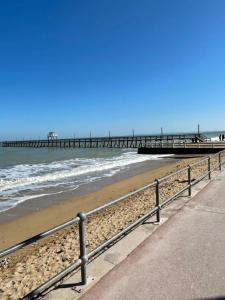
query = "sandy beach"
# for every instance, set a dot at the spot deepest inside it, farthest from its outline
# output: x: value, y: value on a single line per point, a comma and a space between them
x: 31, y: 218
x: 101, y: 101
x: 23, y: 271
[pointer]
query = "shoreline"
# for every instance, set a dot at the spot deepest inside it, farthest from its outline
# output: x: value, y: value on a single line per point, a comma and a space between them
x: 36, y: 204
x: 23, y: 271
x: 33, y: 220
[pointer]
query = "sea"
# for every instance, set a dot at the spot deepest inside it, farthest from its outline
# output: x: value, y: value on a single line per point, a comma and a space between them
x: 27, y: 173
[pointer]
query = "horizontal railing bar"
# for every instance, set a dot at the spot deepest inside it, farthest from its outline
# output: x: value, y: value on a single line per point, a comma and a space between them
x: 37, y: 237
x: 215, y: 168
x: 122, y: 232
x: 164, y: 203
x: 57, y: 228
x: 159, y: 136
x: 78, y: 263
x: 199, y: 162
x: 172, y: 174
x: 95, y: 210
x: 219, y: 152
x: 53, y: 280
x: 200, y: 178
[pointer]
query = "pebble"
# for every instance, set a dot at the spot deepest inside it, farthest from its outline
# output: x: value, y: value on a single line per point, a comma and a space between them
x: 59, y: 253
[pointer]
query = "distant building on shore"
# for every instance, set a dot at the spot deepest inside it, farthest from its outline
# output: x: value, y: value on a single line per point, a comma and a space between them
x: 52, y: 135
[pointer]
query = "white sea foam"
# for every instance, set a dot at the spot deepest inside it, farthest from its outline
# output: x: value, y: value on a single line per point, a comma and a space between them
x: 25, y: 181
x: 5, y: 205
x: 22, y: 175
x: 215, y: 139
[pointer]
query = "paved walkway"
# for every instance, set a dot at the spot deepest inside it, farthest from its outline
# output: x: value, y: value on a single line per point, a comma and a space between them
x: 183, y: 259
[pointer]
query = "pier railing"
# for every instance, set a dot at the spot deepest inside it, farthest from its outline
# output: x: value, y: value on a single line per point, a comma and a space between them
x: 202, y: 145
x: 211, y: 164
x: 104, y: 142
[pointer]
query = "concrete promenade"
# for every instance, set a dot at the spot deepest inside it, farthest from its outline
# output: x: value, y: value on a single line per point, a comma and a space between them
x: 183, y: 259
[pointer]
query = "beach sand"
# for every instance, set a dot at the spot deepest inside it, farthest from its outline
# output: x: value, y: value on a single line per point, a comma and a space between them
x: 23, y: 271
x: 27, y: 219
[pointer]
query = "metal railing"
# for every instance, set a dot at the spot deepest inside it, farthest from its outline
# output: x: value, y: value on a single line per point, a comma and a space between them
x: 134, y: 141
x: 182, y: 144
x: 82, y: 217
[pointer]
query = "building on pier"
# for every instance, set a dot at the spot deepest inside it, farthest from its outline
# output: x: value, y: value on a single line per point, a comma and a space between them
x: 52, y: 135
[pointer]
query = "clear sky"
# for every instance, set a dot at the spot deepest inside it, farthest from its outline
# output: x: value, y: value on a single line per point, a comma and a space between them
x: 81, y: 66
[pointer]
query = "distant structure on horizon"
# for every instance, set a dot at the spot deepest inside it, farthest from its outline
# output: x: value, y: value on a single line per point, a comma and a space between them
x: 52, y: 135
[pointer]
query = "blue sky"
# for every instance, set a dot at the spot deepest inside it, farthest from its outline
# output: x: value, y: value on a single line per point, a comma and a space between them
x: 81, y: 66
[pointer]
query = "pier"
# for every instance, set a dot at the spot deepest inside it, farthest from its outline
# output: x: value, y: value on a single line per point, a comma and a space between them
x: 182, y: 148
x: 146, y: 144
x: 108, y: 142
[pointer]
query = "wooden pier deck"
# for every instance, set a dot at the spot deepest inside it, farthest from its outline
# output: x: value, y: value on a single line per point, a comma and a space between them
x: 106, y: 142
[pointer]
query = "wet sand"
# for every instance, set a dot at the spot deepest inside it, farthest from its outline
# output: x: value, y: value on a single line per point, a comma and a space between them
x: 26, y: 269
x: 34, y: 216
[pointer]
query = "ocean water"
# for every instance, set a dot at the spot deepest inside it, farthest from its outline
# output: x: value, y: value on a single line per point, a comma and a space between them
x: 27, y: 173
